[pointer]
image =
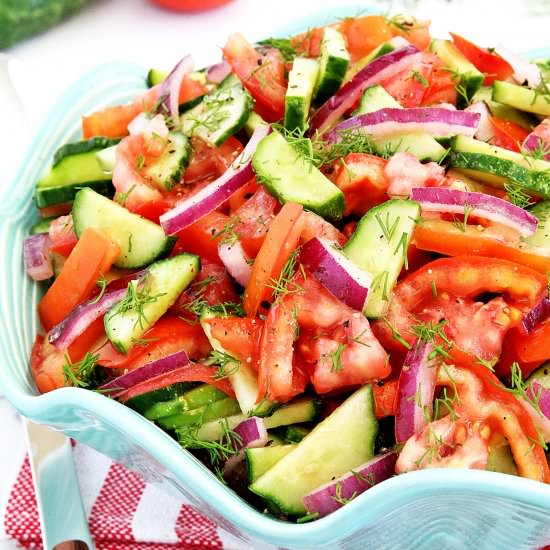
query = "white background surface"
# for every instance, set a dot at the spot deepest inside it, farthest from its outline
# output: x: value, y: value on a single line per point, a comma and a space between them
x: 134, y: 30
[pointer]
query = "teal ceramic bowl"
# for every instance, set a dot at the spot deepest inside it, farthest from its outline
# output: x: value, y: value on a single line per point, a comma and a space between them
x: 448, y: 509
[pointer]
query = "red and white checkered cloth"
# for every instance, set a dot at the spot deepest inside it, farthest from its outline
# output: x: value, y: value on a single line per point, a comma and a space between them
x: 124, y: 512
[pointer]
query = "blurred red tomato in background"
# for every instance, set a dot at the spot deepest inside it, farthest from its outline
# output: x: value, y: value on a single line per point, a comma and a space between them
x: 190, y: 5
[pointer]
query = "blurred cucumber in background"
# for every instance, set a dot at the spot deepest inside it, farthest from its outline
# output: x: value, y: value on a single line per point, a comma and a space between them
x: 20, y: 19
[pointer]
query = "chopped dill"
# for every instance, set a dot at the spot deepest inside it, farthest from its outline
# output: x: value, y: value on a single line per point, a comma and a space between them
x: 225, y: 363
x: 80, y: 374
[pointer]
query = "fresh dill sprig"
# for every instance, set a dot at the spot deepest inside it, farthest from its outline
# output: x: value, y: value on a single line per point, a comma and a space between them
x: 138, y: 295
x: 121, y: 198
x: 387, y: 230
x: 336, y: 358
x: 225, y: 363
x: 219, y: 451
x: 339, y: 498
x: 434, y: 334
x: 445, y: 401
x: 521, y: 389
x: 487, y: 363
x: 462, y: 224
x: 396, y: 335
x: 319, y: 152
x: 420, y: 78
x: 282, y: 286
x: 517, y: 195
x: 381, y: 281
x: 140, y: 162
x: 403, y: 246
x: 80, y: 374
x: 101, y: 283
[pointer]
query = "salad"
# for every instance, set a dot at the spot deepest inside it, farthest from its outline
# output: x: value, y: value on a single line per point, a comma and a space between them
x: 316, y: 264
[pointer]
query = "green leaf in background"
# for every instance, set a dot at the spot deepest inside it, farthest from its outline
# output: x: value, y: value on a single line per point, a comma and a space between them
x: 20, y: 19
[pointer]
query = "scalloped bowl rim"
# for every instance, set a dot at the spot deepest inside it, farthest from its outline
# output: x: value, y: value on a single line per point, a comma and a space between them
x: 374, y: 504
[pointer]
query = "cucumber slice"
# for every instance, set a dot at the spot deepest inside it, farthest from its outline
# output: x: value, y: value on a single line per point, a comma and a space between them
x: 542, y: 376
x: 76, y: 166
x: 168, y: 169
x: 243, y: 379
x: 333, y: 65
x: 252, y: 122
x: 290, y: 177
x: 499, y: 110
x: 521, y: 98
x: 156, y: 76
x: 219, y: 115
x: 107, y: 159
x: 141, y: 403
x: 84, y: 146
x: 541, y: 237
x: 42, y: 226
x: 292, y: 434
x: 501, y: 460
x: 497, y: 166
x: 260, y: 460
x: 379, y: 245
x: 300, y: 410
x: 200, y: 396
x: 466, y: 74
x: 141, y: 241
x: 421, y: 145
x: 217, y: 409
x: 146, y: 300
x: 383, y: 49
x: 301, y: 83
x: 339, y: 443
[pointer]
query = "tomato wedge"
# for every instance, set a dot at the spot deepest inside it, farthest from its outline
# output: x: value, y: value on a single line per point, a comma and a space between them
x: 281, y: 240
x: 193, y: 372
x: 384, y: 398
x: 168, y: 335
x: 490, y: 64
x: 92, y: 256
x: 363, y: 34
x: 262, y: 76
x: 508, y: 134
x: 445, y: 238
x: 483, y: 397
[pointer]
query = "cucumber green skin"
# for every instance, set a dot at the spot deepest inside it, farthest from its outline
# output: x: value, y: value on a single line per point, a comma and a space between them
x: 187, y: 105
x: 84, y: 146
x: 521, y: 98
x: 301, y: 84
x: 260, y: 460
x: 156, y: 76
x: 497, y: 172
x: 291, y: 178
x: 63, y: 181
x: 204, y: 394
x: 63, y: 194
x: 296, y: 113
x: 499, y: 110
x: 168, y: 279
x: 148, y: 241
x: 370, y: 249
x: 217, y: 410
x: 339, y: 443
x: 42, y: 226
x: 300, y: 410
x: 332, y: 78
x: 141, y: 403
x: 292, y: 434
x: 541, y: 375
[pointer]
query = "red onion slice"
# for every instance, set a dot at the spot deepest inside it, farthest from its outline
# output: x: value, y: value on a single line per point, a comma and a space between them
x: 537, y: 315
x: 342, y: 277
x: 216, y: 193
x: 445, y: 199
x: 391, y: 121
x: 251, y: 433
x: 485, y: 130
x: 331, y: 496
x: 36, y: 257
x: 81, y: 317
x: 538, y: 139
x: 236, y: 262
x: 415, y: 392
x: 524, y: 71
x: 217, y: 73
x: 379, y: 69
x: 145, y: 372
x: 169, y: 92
x: 538, y: 393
